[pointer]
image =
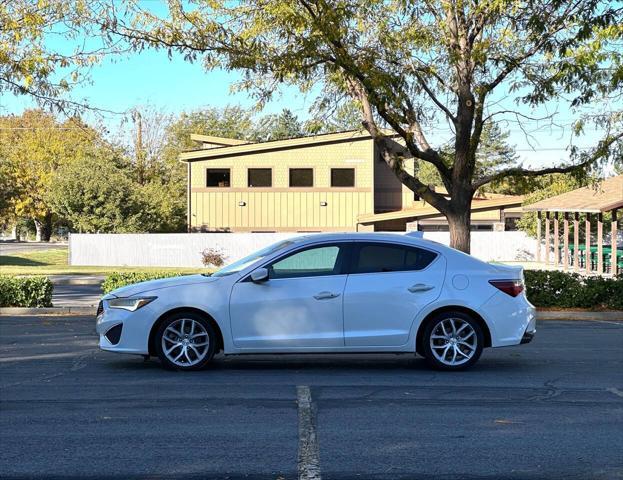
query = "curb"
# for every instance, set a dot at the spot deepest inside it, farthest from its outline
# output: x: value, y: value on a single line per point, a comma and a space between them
x: 578, y: 315
x: 48, y: 311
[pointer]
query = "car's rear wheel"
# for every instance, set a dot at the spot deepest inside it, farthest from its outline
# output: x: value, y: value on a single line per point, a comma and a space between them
x: 452, y: 341
x: 185, y: 341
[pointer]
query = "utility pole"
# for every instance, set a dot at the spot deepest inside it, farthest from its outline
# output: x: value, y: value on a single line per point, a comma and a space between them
x: 138, y: 146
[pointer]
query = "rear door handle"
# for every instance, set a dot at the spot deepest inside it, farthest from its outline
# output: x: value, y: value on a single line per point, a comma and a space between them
x: 326, y: 295
x: 420, y: 287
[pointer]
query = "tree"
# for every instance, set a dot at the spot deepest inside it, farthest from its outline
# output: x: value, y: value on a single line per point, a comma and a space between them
x: 104, y: 202
x: 409, y: 66
x: 34, y: 63
x: 33, y: 146
x: 278, y: 127
x: 493, y: 155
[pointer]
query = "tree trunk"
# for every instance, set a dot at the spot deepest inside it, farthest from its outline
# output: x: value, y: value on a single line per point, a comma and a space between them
x: 459, y: 224
x: 39, y: 228
x: 44, y: 228
x: 15, y: 233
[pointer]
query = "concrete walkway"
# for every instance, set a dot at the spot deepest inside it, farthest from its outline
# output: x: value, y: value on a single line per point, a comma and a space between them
x: 76, y: 290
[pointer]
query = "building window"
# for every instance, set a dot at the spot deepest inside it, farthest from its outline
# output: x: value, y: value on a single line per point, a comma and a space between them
x: 301, y: 177
x: 342, y: 177
x: 218, y: 177
x: 260, y: 177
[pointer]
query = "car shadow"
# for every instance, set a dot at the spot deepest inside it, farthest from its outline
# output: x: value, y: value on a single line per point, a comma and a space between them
x: 327, y: 362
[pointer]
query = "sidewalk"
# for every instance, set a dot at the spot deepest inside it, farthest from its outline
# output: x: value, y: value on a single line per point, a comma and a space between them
x: 76, y: 290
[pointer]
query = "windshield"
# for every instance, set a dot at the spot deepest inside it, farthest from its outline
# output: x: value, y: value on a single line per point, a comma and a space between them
x: 250, y: 259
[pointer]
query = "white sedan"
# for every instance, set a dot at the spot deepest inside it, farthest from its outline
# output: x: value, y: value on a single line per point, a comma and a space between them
x: 326, y: 293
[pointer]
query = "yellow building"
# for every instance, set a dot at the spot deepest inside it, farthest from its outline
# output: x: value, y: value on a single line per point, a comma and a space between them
x: 331, y: 182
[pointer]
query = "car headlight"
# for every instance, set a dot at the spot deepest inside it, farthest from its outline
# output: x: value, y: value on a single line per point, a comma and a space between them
x: 130, y: 304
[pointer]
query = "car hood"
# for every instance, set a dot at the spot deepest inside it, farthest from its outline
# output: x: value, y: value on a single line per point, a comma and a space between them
x: 137, y: 288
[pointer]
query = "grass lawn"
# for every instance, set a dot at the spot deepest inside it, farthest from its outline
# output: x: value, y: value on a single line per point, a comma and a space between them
x: 54, y: 262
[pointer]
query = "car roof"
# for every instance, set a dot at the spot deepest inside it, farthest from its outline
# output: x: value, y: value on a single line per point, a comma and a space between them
x: 410, y: 238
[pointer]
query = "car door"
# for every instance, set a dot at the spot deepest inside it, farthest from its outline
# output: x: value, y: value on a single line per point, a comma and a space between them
x: 298, y: 306
x: 387, y: 287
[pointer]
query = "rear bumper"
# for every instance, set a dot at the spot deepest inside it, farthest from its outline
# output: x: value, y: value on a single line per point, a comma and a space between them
x: 511, y: 320
x: 528, y: 336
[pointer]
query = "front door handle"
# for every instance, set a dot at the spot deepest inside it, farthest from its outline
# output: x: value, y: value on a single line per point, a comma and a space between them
x: 326, y: 295
x: 420, y: 287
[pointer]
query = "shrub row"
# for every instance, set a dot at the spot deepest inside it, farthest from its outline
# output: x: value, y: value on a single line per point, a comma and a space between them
x: 25, y: 291
x: 570, y: 290
x: 121, y: 279
x: 544, y: 288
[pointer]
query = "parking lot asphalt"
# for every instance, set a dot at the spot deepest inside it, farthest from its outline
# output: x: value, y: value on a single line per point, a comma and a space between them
x: 549, y: 409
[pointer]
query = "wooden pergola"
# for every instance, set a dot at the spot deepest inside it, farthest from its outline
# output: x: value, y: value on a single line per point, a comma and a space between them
x: 593, y: 201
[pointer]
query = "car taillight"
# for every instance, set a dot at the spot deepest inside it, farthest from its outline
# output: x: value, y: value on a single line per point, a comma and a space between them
x: 510, y: 287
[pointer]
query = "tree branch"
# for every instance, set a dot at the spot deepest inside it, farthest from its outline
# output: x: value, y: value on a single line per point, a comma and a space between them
x: 600, y: 151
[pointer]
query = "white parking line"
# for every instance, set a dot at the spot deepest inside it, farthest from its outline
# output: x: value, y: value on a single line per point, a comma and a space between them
x: 616, y: 391
x: 309, y: 454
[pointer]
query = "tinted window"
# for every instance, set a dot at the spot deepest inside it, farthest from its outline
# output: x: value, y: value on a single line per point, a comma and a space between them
x: 260, y: 177
x: 308, y: 263
x: 217, y: 177
x: 371, y: 258
x: 301, y: 177
x: 342, y: 177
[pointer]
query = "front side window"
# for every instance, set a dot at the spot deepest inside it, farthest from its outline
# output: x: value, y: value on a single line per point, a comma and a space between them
x: 301, y: 177
x: 218, y: 177
x: 251, y: 259
x: 374, y: 258
x: 260, y: 177
x: 316, y: 261
x: 342, y: 177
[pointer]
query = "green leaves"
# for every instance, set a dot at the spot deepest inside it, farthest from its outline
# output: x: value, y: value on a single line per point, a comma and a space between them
x: 25, y: 291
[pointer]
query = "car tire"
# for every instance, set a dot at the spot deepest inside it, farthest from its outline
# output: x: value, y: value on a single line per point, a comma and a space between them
x: 185, y: 341
x: 452, y: 341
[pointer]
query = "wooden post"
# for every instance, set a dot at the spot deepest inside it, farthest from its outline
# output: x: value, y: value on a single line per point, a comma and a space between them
x: 576, y: 241
x: 538, y: 236
x: 565, y: 241
x: 556, y: 241
x: 547, y: 228
x: 613, y: 241
x: 600, y: 244
x: 587, y: 252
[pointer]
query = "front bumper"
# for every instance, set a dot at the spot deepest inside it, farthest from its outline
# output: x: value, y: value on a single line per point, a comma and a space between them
x: 123, y: 331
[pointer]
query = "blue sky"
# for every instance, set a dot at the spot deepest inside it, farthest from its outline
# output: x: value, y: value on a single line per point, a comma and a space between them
x: 150, y: 77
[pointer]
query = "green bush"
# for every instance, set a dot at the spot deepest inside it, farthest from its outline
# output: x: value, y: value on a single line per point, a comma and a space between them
x: 25, y: 291
x: 117, y: 280
x: 570, y: 290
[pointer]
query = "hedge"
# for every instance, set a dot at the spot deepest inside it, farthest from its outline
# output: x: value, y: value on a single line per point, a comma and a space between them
x: 544, y: 288
x: 570, y: 290
x: 25, y: 291
x: 117, y: 280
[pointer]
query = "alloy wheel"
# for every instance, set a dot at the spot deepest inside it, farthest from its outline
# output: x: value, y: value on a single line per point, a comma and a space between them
x: 185, y: 342
x: 453, y: 341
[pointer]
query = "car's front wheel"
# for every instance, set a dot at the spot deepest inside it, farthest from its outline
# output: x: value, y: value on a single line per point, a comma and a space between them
x: 185, y: 341
x: 452, y: 341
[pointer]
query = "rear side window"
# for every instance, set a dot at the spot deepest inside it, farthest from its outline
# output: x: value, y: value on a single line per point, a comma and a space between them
x: 377, y: 257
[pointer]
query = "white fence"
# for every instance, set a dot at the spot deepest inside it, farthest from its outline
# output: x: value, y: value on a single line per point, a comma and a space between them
x: 184, y: 249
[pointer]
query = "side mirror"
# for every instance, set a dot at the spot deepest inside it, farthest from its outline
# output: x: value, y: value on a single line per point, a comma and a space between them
x: 259, y: 275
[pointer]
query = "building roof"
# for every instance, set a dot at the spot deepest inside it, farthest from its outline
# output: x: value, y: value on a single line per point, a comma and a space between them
x: 430, y: 211
x: 205, y: 154
x: 602, y: 197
